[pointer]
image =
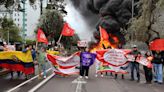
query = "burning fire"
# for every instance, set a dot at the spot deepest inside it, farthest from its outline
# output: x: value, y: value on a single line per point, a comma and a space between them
x: 106, y: 44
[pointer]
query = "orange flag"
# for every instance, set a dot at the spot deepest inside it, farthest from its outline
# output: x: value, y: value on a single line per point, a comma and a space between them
x: 67, y: 30
x: 103, y: 34
x: 41, y: 36
x: 104, y: 38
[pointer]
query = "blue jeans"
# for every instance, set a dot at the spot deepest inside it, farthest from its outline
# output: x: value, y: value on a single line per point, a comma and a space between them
x: 158, y: 73
x: 135, y: 65
x: 43, y: 68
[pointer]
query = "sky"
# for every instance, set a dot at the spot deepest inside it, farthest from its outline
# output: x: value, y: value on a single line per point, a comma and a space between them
x: 76, y: 21
x: 73, y: 18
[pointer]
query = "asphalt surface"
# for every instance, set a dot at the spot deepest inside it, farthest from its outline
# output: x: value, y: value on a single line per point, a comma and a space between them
x: 71, y: 84
x: 6, y: 83
x: 99, y: 84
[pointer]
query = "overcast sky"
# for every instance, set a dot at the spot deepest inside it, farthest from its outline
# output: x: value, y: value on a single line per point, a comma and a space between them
x: 77, y: 22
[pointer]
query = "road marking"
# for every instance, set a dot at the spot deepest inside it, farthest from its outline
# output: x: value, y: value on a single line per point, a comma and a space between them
x: 41, y: 83
x: 79, y: 82
x: 25, y: 82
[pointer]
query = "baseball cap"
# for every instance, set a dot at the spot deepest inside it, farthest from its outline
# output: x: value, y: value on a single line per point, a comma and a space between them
x: 134, y: 46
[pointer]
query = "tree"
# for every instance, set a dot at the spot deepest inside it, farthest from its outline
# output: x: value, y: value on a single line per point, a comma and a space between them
x: 8, y: 27
x: 68, y: 42
x: 58, y: 5
x: 51, y: 23
x: 141, y: 29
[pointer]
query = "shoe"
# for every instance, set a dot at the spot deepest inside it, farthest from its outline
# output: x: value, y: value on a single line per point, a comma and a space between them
x: 44, y: 77
x: 131, y: 79
x: 86, y: 77
x: 123, y: 77
x: 81, y: 77
x: 138, y: 81
x: 160, y: 83
x: 155, y: 81
x: 102, y: 75
x: 96, y: 75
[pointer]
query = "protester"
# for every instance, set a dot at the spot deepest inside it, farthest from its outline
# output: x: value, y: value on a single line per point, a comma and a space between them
x: 148, y: 70
x: 157, y: 65
x: 33, y: 52
x: 5, y: 48
x: 10, y: 48
x: 27, y: 49
x: 86, y: 60
x: 42, y: 62
x: 135, y: 64
x: 116, y: 74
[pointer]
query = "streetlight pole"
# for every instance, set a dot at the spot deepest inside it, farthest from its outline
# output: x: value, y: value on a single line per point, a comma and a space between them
x: 132, y: 17
x: 8, y: 37
x: 23, y: 24
x: 132, y: 9
x: 41, y: 7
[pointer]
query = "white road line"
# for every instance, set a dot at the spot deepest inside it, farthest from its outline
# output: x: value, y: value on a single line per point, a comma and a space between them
x: 41, y: 83
x: 79, y: 84
x: 25, y: 82
x: 78, y: 88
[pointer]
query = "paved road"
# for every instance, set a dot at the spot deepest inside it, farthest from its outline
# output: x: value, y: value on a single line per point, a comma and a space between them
x: 105, y: 84
x: 93, y: 84
x: 6, y: 83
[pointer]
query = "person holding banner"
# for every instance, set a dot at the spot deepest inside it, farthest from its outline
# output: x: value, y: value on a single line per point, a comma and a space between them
x: 135, y: 64
x: 86, y: 60
x: 122, y: 75
x: 148, y: 70
x: 27, y: 49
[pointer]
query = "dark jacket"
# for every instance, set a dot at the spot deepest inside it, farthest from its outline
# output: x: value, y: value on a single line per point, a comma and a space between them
x: 135, y: 53
x: 157, y: 58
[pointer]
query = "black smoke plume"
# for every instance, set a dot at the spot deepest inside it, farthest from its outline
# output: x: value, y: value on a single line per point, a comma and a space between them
x: 110, y: 14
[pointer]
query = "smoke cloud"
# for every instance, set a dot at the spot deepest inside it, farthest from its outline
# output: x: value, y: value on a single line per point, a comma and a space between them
x: 77, y: 22
x: 110, y: 14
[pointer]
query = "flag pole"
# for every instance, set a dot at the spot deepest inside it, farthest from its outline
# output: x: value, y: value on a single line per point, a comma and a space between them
x: 36, y: 45
x: 59, y: 39
x: 100, y: 31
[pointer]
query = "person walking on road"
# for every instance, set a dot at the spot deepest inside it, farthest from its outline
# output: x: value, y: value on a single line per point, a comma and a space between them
x: 158, y: 67
x: 42, y: 62
x: 135, y: 64
x: 86, y: 60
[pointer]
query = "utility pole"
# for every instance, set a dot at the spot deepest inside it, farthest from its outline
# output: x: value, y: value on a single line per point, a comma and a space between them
x: 41, y: 7
x: 132, y: 9
x: 132, y: 36
x: 8, y: 37
x: 23, y: 24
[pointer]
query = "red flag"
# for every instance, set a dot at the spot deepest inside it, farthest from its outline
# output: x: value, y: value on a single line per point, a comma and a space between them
x: 157, y: 44
x: 103, y: 34
x: 41, y: 36
x: 67, y: 30
x: 104, y: 38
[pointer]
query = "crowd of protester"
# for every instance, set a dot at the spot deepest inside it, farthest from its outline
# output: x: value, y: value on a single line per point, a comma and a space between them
x: 154, y: 73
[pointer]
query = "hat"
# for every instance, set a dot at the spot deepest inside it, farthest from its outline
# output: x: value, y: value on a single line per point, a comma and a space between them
x: 134, y: 46
x: 4, y: 43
